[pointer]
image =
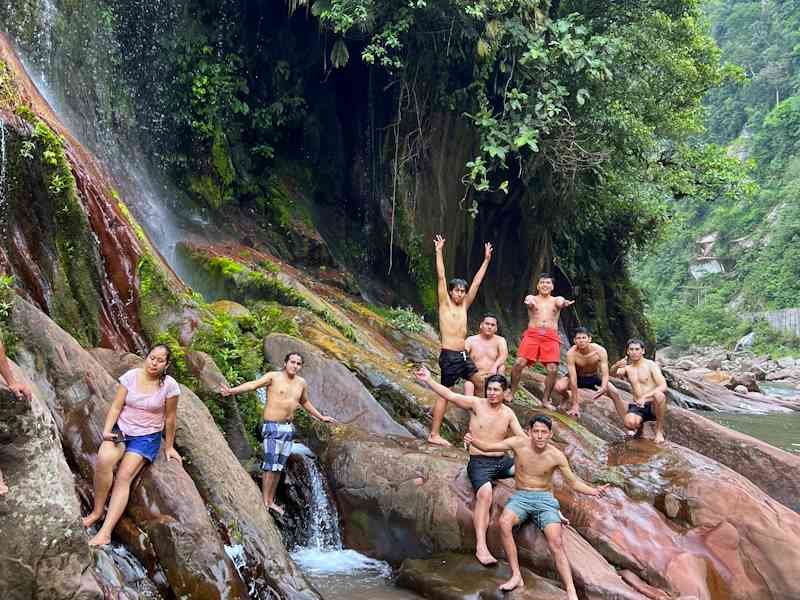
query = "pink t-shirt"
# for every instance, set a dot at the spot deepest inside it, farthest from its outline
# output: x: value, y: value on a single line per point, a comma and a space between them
x: 143, y: 413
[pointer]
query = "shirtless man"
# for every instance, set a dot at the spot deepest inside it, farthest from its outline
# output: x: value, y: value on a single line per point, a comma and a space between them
x: 489, y: 420
x: 541, y: 342
x: 488, y: 351
x: 20, y: 391
x: 286, y: 391
x: 648, y: 388
x: 584, y: 360
x: 536, y: 461
x: 453, y: 305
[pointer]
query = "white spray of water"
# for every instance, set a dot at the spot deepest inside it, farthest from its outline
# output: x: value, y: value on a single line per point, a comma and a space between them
x: 2, y: 167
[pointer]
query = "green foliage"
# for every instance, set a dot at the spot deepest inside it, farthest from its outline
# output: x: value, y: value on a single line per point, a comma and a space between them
x: 156, y: 297
x: 7, y: 294
x: 9, y: 96
x: 776, y: 345
x: 405, y: 319
x: 178, y: 367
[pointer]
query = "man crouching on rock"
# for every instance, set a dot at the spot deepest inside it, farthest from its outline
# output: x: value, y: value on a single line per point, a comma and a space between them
x: 535, y: 461
x: 286, y: 390
x: 490, y: 419
x: 649, y: 390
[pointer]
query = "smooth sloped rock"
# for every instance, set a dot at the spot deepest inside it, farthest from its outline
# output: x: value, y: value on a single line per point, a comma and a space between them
x: 716, y: 397
x: 164, y: 502
x: 452, y: 576
x: 333, y: 389
x: 230, y: 492
x: 422, y: 505
x: 44, y: 552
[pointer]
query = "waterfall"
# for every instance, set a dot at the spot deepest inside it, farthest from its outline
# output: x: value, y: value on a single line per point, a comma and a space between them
x: 321, y: 516
x: 2, y: 167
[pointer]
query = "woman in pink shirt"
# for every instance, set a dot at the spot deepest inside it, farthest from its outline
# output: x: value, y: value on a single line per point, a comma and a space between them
x: 145, y: 406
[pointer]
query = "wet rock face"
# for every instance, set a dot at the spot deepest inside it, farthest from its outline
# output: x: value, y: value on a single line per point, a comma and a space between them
x: 452, y: 576
x: 44, y: 552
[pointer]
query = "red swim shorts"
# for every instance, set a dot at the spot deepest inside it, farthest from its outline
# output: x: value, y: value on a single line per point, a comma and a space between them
x: 540, y: 344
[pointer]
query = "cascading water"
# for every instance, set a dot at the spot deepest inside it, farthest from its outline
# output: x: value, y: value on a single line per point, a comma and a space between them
x: 2, y: 166
x: 338, y: 572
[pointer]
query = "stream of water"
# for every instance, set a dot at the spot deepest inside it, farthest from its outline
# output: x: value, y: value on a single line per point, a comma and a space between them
x: 337, y: 572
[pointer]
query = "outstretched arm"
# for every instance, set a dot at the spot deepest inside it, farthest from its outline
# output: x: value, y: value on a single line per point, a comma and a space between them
x: 250, y: 386
x: 20, y: 389
x: 478, y: 279
x: 510, y: 443
x: 305, y: 402
x: 438, y: 244
x: 562, y: 302
x: 575, y: 482
x: 465, y: 402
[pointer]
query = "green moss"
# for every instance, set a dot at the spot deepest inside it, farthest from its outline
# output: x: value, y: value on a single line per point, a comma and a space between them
x: 129, y: 217
x: 9, y: 96
x: 221, y: 159
x: 7, y: 294
x: 207, y: 190
x: 156, y: 298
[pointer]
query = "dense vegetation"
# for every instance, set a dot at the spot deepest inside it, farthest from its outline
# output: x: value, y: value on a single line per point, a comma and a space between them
x: 757, y: 115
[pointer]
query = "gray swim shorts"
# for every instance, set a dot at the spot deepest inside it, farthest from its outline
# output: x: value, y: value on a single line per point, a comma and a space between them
x: 542, y: 507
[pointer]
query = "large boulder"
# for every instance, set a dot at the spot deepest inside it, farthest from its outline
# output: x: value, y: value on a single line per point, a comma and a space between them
x: 452, y: 576
x: 165, y: 502
x: 230, y: 494
x: 333, y: 389
x: 44, y: 554
x: 711, y: 396
x: 423, y: 506
x: 745, y: 379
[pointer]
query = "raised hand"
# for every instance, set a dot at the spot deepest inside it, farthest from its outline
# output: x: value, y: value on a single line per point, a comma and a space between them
x: 487, y: 251
x: 438, y: 242
x: 423, y: 374
x: 530, y: 301
x: 565, y: 303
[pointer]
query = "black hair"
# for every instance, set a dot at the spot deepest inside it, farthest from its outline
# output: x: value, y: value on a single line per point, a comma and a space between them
x: 290, y: 355
x: 497, y: 378
x: 543, y: 419
x: 163, y: 376
x: 633, y: 341
x: 489, y: 315
x: 584, y: 330
x: 457, y: 282
x: 545, y: 275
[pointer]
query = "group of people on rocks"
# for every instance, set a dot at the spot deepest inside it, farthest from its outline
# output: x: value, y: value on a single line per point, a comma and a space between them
x: 494, y: 430
x: 142, y: 418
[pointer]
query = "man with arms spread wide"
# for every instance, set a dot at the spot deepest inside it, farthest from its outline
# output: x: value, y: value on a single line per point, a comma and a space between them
x: 541, y: 342
x: 584, y: 360
x: 648, y: 388
x: 489, y: 420
x: 535, y: 462
x: 286, y: 391
x: 488, y: 351
x: 453, y: 305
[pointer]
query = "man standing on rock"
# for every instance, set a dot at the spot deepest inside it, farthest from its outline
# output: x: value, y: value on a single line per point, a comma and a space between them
x: 649, y: 390
x: 286, y: 391
x: 536, y: 461
x: 453, y: 305
x: 20, y: 390
x: 541, y: 342
x: 584, y: 360
x: 488, y: 351
x: 491, y: 420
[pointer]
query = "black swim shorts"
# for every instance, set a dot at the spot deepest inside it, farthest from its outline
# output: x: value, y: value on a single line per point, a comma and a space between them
x: 487, y: 469
x: 589, y: 381
x: 455, y: 365
x: 646, y: 411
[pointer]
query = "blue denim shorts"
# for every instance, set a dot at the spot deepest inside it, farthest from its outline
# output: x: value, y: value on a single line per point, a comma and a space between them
x: 144, y: 445
x: 542, y: 507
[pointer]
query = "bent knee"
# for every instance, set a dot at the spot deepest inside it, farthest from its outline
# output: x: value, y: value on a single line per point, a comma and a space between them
x: 659, y: 397
x: 484, y: 492
x: 552, y: 367
x: 632, y: 421
x: 520, y: 363
x: 555, y: 541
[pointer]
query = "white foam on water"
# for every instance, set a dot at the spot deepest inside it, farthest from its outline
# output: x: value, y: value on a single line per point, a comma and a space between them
x: 333, y: 562
x: 300, y: 448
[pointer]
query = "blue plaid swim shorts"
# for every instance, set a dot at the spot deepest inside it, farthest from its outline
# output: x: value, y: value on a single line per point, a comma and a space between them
x: 277, y: 444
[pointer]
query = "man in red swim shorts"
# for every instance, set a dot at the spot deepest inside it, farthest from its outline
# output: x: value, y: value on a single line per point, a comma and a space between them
x: 540, y: 342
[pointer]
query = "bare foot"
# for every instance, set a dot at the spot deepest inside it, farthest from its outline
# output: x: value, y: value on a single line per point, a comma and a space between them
x: 659, y: 438
x: 90, y: 519
x: 485, y: 558
x: 548, y: 405
x: 575, y: 411
x: 438, y: 440
x: 100, y: 539
x: 276, y: 509
x: 512, y: 584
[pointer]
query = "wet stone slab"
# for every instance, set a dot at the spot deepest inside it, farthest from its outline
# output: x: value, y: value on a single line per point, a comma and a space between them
x: 452, y: 576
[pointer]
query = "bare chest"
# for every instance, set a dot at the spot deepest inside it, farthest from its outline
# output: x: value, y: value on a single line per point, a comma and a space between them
x: 489, y: 425
x: 545, y: 308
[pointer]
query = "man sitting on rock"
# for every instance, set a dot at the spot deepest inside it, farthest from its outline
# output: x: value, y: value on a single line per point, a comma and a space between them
x: 491, y: 420
x: 453, y: 306
x: 286, y: 391
x: 20, y: 390
x: 584, y: 360
x: 535, y: 461
x: 488, y: 351
x: 648, y: 388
